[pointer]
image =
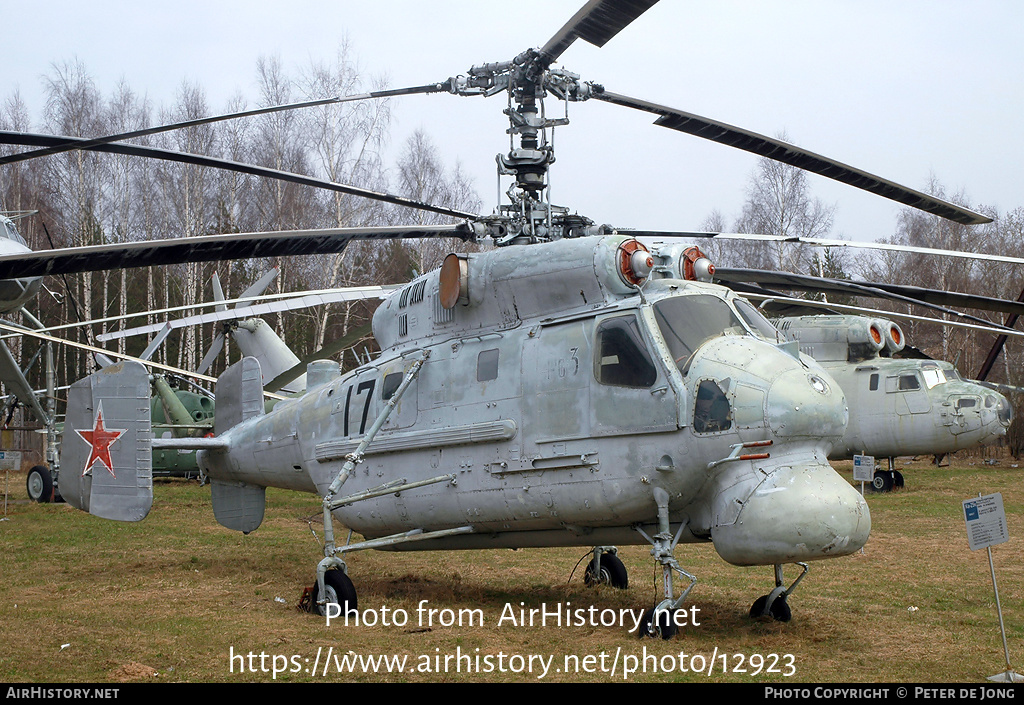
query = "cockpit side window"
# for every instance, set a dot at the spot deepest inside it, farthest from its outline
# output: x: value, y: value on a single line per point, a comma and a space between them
x: 712, y: 412
x: 756, y: 320
x: 686, y: 322
x: 622, y: 359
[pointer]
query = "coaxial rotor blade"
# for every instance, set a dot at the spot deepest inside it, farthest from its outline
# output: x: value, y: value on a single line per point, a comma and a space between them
x: 206, y: 248
x: 928, y: 298
x: 23, y: 138
x: 596, y: 22
x: 820, y: 242
x: 94, y: 142
x: 794, y: 156
x: 829, y: 307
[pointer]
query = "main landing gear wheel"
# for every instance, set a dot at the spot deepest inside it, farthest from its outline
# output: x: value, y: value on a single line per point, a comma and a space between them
x: 39, y: 484
x: 658, y: 623
x: 338, y: 589
x: 612, y: 572
x: 883, y: 481
x: 779, y: 609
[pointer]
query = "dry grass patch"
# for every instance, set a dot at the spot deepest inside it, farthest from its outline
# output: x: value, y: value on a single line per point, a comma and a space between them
x: 84, y: 600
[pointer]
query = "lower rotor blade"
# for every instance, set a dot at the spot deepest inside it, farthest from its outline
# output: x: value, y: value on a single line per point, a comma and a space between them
x: 794, y: 156
x: 207, y: 248
x: 8, y: 137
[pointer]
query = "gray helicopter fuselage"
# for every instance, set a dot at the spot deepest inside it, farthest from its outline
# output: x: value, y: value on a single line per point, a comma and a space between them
x: 568, y: 405
x: 898, y: 406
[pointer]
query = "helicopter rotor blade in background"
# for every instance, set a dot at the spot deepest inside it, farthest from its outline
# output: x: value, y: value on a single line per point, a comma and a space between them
x: 792, y: 155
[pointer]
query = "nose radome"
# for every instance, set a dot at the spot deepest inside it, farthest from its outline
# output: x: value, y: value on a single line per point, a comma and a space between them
x: 798, y: 513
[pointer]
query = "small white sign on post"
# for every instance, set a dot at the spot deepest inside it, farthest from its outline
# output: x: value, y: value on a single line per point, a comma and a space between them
x: 10, y: 460
x: 986, y: 527
x: 986, y: 521
x: 863, y: 468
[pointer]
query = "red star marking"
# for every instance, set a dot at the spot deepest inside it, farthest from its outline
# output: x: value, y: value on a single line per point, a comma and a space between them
x: 100, y: 439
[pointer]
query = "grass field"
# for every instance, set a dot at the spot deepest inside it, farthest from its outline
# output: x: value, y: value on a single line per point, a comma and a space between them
x: 172, y: 598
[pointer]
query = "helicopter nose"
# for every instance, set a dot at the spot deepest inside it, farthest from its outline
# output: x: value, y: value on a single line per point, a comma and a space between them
x: 798, y: 513
x: 1004, y: 409
x: 804, y: 404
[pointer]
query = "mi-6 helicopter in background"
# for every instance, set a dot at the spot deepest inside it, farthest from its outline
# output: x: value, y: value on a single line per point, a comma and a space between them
x: 548, y: 392
x: 899, y: 405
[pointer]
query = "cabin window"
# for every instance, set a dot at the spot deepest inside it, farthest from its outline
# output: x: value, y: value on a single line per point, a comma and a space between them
x: 712, y: 412
x: 487, y: 365
x: 932, y: 376
x: 967, y: 403
x: 391, y: 384
x: 873, y: 383
x: 908, y: 383
x: 687, y: 322
x: 622, y: 358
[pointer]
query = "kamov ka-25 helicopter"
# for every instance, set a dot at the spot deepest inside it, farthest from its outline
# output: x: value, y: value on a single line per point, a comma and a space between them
x: 548, y: 392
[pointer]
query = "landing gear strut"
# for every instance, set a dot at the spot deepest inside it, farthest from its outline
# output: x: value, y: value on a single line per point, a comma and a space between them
x: 659, y: 621
x: 774, y: 604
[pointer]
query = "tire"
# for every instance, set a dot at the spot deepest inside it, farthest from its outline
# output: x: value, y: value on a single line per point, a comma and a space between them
x: 39, y: 484
x: 339, y: 590
x: 897, y: 478
x: 779, y: 611
x: 882, y: 482
x: 665, y: 626
x: 613, y: 572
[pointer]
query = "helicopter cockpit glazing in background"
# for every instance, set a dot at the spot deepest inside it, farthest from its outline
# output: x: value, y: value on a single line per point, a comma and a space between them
x: 687, y: 322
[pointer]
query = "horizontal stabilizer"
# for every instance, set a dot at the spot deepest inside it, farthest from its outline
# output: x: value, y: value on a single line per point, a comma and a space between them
x: 107, y: 451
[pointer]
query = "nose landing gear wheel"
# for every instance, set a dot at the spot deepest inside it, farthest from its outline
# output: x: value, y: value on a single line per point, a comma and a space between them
x: 658, y: 623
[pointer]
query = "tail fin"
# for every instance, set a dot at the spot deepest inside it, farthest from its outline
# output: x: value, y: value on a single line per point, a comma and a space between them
x: 107, y: 448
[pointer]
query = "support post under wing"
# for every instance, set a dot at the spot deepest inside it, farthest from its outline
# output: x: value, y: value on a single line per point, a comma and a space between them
x: 107, y: 449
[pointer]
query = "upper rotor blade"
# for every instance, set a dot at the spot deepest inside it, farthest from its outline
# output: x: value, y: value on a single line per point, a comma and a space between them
x: 93, y: 142
x: 206, y: 248
x: 795, y: 156
x: 24, y: 138
x: 596, y: 22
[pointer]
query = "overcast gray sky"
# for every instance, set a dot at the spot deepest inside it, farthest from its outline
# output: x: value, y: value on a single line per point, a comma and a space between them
x: 900, y: 89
